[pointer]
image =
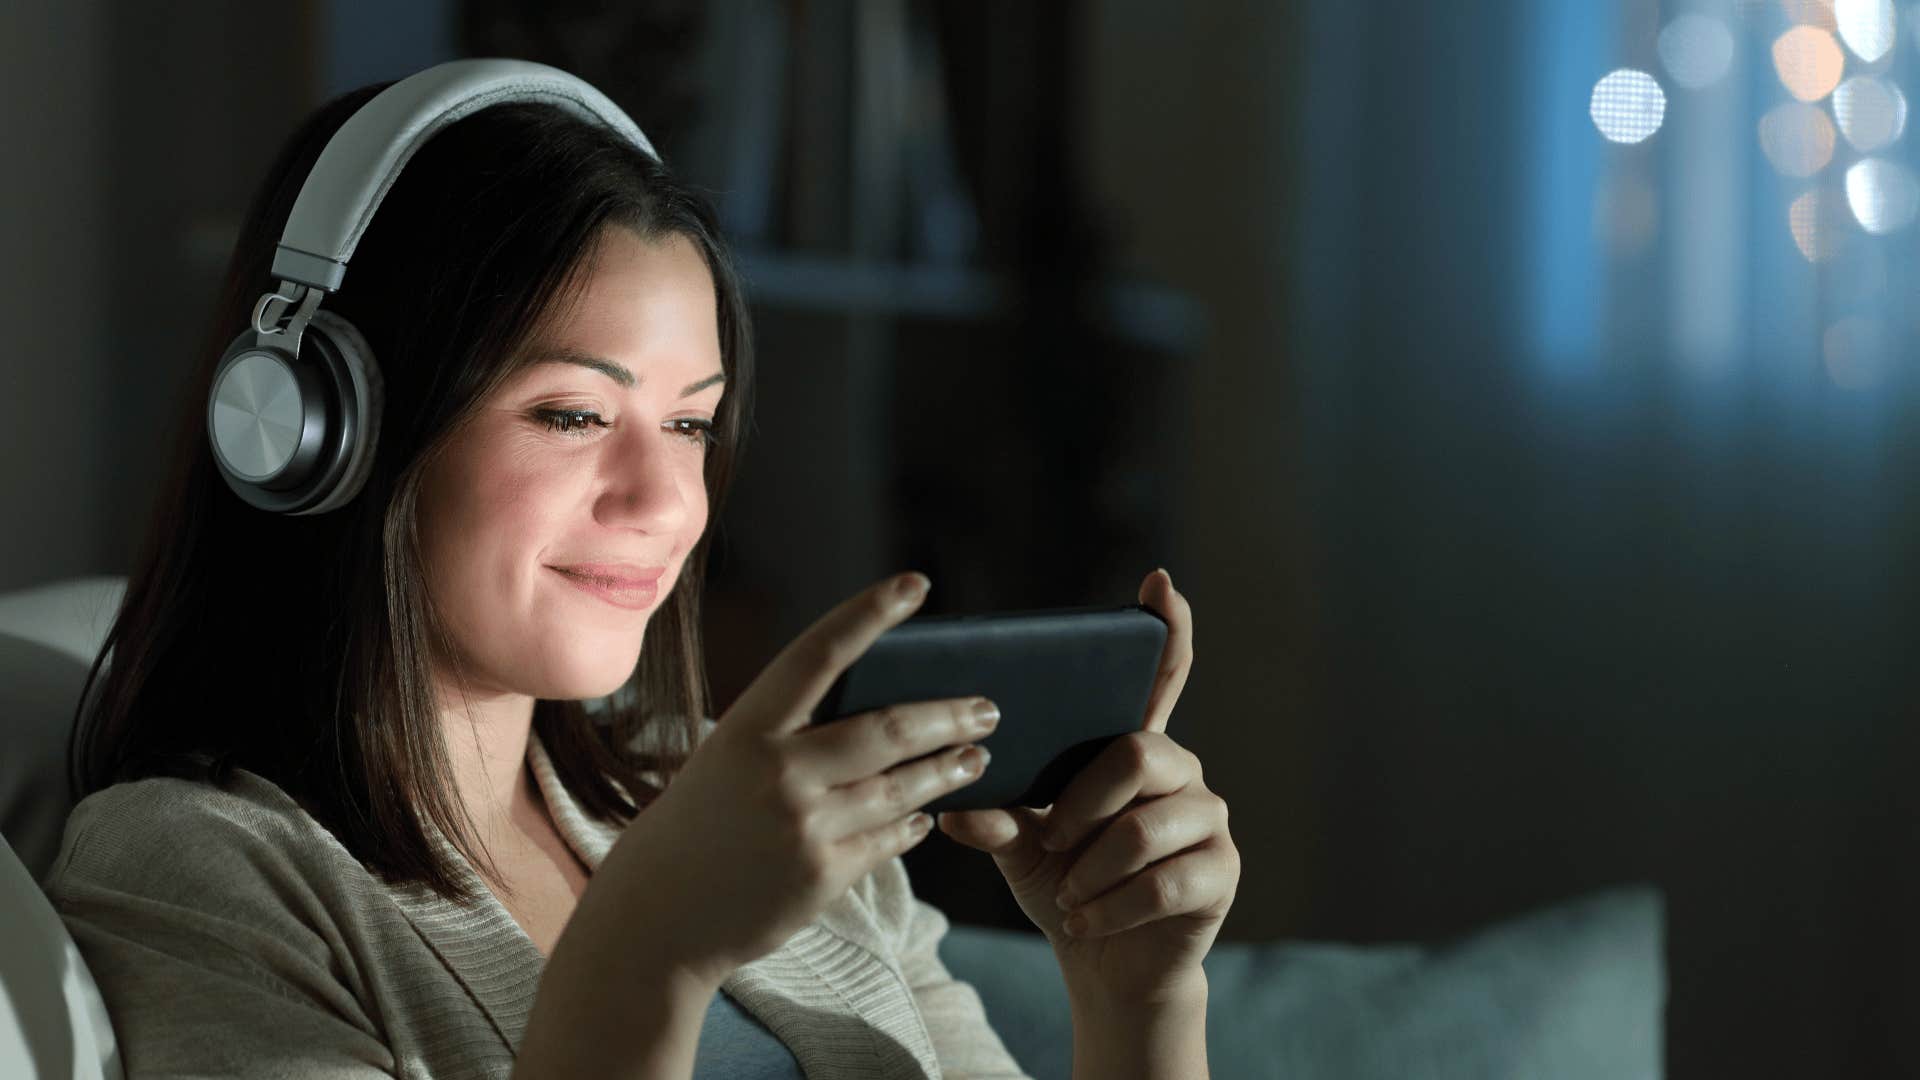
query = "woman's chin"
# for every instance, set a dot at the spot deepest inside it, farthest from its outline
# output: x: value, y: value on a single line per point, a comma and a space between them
x: 599, y: 684
x: 585, y: 668
x: 586, y: 688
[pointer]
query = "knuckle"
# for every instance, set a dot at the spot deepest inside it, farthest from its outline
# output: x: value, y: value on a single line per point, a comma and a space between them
x: 790, y: 809
x: 807, y: 822
x: 1136, y: 748
x: 776, y: 788
x: 880, y: 841
x: 1164, y: 892
x: 1139, y: 834
x: 786, y: 778
x: 816, y: 864
x: 790, y: 789
x: 894, y: 727
x: 893, y: 793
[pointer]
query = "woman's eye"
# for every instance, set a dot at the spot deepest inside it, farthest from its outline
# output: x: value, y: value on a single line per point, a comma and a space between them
x: 579, y: 423
x: 563, y: 421
x: 701, y: 433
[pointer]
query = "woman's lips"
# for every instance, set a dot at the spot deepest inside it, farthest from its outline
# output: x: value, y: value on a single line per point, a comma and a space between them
x: 616, y: 573
x: 634, y: 594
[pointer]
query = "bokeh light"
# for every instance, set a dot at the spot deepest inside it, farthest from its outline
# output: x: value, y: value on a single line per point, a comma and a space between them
x: 1872, y: 112
x: 1809, y: 62
x: 1855, y: 352
x: 1696, y: 50
x: 1867, y: 26
x: 1628, y: 105
x: 1884, y: 196
x: 1797, y: 138
x: 1819, y: 225
x: 1811, y: 12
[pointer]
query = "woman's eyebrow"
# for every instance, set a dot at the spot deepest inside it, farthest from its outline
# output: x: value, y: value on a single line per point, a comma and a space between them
x: 612, y: 369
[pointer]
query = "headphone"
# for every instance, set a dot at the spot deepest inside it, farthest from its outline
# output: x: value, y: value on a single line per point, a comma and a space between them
x: 294, y: 409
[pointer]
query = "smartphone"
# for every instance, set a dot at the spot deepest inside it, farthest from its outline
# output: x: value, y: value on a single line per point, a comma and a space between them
x: 1068, y: 682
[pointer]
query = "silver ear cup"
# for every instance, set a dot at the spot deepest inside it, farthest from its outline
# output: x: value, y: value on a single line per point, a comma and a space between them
x: 296, y: 435
x: 267, y: 418
x: 356, y: 360
x: 257, y: 417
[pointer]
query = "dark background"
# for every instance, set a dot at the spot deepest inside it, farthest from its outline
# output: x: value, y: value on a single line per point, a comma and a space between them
x: 1532, y: 548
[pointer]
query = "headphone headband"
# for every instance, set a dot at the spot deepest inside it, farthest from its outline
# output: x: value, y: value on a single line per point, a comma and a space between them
x: 294, y: 410
x: 365, y: 156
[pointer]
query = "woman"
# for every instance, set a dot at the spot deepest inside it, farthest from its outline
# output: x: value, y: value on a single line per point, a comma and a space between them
x: 346, y: 813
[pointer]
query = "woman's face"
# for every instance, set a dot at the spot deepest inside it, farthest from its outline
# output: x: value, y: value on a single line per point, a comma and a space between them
x: 518, y: 495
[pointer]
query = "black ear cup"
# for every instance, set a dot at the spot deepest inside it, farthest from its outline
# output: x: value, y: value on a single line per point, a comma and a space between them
x: 297, y: 434
x: 353, y: 355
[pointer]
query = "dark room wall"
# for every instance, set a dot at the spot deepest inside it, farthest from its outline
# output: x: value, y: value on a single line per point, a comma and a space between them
x: 54, y: 402
x: 149, y: 126
x: 1186, y: 110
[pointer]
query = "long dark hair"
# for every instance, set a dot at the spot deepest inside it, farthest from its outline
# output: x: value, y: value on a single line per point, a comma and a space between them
x: 297, y: 647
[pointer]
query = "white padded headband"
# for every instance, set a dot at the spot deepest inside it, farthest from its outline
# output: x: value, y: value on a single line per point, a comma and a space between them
x: 364, y: 157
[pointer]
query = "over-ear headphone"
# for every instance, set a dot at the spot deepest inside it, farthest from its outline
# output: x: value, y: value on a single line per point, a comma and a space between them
x: 294, y: 409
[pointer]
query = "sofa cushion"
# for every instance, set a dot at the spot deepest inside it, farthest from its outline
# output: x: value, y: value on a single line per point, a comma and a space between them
x: 1571, y: 991
x: 53, y: 1021
x: 39, y: 686
x: 49, y: 636
x: 71, y: 615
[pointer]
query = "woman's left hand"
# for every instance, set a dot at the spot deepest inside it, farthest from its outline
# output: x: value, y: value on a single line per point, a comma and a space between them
x: 1141, y: 848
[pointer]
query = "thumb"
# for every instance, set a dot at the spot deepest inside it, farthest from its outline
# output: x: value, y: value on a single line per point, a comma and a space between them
x: 1011, y: 836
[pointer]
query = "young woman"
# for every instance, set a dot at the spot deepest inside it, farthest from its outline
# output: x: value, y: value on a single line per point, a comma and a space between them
x: 346, y: 813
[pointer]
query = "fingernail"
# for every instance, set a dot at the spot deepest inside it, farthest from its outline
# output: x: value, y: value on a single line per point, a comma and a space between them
x: 1075, y: 925
x: 973, y: 760
x: 1169, y: 577
x: 1064, y: 901
x: 911, y: 589
x: 986, y: 715
x: 1052, y: 842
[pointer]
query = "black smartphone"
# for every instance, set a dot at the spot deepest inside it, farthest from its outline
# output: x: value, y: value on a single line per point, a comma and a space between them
x: 1068, y: 682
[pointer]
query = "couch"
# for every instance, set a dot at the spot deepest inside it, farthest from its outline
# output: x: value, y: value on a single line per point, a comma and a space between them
x: 1576, y: 990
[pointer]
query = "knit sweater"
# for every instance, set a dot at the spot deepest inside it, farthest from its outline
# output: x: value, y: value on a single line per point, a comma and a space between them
x: 231, y: 934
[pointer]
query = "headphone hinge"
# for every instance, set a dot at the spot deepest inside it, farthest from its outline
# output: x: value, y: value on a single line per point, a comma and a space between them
x: 301, y: 301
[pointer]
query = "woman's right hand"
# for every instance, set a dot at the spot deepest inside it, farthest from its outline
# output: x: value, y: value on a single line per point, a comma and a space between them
x: 772, y: 818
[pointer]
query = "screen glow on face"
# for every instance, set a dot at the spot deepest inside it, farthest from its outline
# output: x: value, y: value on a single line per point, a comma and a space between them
x: 593, y: 453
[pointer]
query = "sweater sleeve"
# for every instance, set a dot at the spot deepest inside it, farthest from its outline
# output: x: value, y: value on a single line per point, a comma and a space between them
x: 204, y: 938
x: 963, y: 1040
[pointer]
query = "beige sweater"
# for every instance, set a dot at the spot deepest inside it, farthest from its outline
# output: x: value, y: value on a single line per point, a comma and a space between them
x: 232, y: 935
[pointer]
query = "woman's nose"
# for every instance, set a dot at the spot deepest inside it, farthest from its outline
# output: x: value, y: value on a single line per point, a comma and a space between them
x: 642, y: 487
